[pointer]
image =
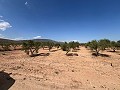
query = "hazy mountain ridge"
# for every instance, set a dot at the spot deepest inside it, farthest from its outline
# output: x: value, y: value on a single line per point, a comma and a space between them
x: 2, y: 40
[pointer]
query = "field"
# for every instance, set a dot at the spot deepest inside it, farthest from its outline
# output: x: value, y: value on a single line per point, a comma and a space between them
x: 56, y: 71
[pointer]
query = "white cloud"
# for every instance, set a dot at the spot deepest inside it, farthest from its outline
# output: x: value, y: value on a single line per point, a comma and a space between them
x: 75, y: 40
x: 1, y: 36
x: 26, y: 3
x: 37, y: 37
x: 4, y: 25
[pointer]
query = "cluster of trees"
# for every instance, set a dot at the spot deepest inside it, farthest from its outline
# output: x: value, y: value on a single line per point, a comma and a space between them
x: 29, y: 46
x: 102, y: 44
x: 32, y: 48
x: 9, y: 46
x: 70, y: 46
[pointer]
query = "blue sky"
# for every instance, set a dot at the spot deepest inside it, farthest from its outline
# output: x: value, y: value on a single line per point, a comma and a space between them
x: 61, y: 20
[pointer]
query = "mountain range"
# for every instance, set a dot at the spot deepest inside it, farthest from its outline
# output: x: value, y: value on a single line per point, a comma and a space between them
x: 2, y: 40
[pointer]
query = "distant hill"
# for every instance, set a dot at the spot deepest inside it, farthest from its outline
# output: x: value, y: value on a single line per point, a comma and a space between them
x: 6, y: 40
x: 44, y: 40
x: 20, y: 41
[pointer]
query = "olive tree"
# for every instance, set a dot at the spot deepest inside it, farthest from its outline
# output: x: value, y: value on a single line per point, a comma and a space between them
x: 65, y: 47
x: 104, y: 43
x: 37, y: 46
x: 114, y: 45
x: 15, y: 45
x: 5, y: 46
x: 74, y: 45
x: 118, y: 44
x: 25, y: 47
x: 50, y: 45
x: 87, y: 44
x: 31, y: 47
x: 95, y: 46
x: 57, y: 45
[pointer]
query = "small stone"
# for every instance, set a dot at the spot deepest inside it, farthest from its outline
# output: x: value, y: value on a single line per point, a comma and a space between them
x: 57, y: 72
x: 24, y: 78
x: 72, y: 70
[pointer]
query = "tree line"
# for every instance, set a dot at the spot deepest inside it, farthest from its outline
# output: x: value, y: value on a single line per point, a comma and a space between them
x: 31, y: 47
x: 102, y: 44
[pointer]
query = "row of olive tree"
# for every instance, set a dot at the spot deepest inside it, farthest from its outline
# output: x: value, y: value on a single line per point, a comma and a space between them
x: 8, y: 46
x: 31, y: 48
x: 103, y: 44
x: 68, y: 46
x: 49, y: 45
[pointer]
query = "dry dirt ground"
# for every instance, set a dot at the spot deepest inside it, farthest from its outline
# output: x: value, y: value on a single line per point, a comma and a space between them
x: 60, y: 72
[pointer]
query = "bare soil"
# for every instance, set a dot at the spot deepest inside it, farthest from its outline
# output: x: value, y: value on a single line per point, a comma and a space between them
x: 56, y: 71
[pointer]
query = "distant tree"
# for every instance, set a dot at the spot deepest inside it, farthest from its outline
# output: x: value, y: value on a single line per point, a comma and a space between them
x: 118, y: 44
x: 94, y: 45
x: 5, y: 46
x: 74, y: 45
x: 43, y: 45
x: 104, y: 43
x: 114, y: 45
x: 37, y: 46
x: 82, y: 44
x: 50, y: 45
x: 25, y: 47
x: 87, y: 44
x: 57, y: 45
x: 78, y: 44
x: 14, y: 45
x: 65, y: 47
x: 31, y: 46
